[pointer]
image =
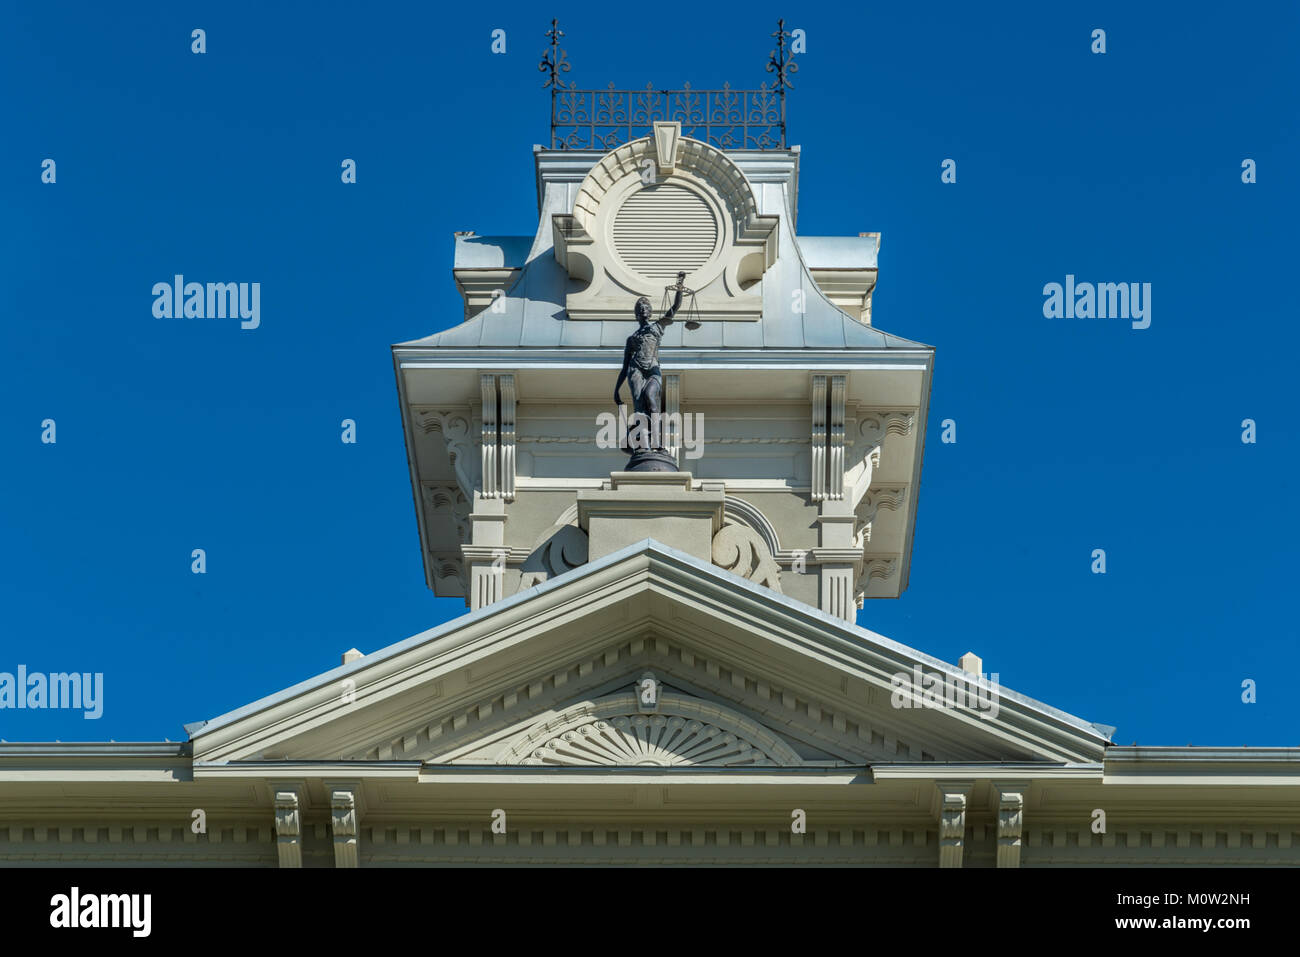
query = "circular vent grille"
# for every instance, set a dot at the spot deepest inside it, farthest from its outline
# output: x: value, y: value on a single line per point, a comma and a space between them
x: 661, y: 230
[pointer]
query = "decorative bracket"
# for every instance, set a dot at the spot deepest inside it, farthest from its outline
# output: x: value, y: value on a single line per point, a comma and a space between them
x: 1011, y: 817
x: 343, y: 824
x: 456, y: 428
x: 818, y: 463
x: 488, y: 439
x: 288, y: 828
x: 872, y: 427
x: 498, y: 436
x: 890, y: 498
x: 506, y: 389
x: 953, y: 798
x: 878, y: 568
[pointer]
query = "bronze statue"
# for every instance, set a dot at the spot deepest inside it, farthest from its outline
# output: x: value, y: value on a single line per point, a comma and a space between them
x: 641, y: 355
x: 642, y: 374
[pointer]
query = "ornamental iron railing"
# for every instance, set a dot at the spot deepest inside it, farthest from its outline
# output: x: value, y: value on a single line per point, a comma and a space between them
x: 725, y: 118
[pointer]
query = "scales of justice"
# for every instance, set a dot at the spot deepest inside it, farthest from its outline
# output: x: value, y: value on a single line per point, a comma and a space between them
x: 641, y: 371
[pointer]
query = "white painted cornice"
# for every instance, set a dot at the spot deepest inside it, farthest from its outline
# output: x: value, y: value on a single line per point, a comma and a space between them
x: 906, y: 359
x: 986, y: 770
x: 279, y: 770
x: 787, y: 629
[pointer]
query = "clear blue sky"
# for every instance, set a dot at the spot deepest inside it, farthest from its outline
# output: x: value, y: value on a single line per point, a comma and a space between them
x: 1072, y: 434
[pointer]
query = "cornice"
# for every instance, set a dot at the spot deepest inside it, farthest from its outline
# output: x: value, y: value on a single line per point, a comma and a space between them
x: 787, y: 623
x: 985, y: 770
x: 844, y: 359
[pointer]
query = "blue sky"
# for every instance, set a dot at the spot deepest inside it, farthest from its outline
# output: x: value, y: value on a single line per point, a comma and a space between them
x: 1071, y: 434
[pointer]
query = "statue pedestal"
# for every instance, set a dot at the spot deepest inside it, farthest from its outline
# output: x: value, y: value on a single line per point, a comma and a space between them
x: 658, y: 505
x: 652, y: 460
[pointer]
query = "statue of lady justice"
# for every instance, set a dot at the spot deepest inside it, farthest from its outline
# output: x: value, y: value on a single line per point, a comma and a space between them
x: 643, y: 376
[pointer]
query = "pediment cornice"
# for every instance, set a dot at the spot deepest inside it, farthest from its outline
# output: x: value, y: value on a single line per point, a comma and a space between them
x: 806, y: 673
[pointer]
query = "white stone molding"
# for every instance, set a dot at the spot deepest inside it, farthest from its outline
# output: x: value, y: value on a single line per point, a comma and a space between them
x: 890, y: 498
x: 457, y: 430
x: 742, y: 551
x: 488, y: 439
x: 875, y: 424
x: 874, y: 568
x: 498, y: 402
x: 673, y: 406
x: 561, y: 548
x: 449, y: 500
x: 720, y: 440
x: 664, y: 506
x: 759, y: 440
x: 1011, y: 816
x: 852, y: 735
x: 835, y: 587
x: 288, y: 828
x: 737, y: 510
x: 953, y: 798
x: 685, y: 731
x: 668, y: 136
x: 818, y: 454
x: 480, y: 287
x: 508, y: 400
x: 343, y: 826
x: 662, y: 843
x: 487, y: 567
x: 647, y: 691
x: 835, y: 439
x: 448, y: 570
x: 869, y: 437
x: 702, y: 194
x: 849, y: 289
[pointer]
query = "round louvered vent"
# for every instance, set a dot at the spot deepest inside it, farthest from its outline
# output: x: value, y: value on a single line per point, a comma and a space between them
x: 660, y: 230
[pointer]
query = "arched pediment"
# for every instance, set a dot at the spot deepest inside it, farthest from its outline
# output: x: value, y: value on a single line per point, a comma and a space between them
x: 682, y: 731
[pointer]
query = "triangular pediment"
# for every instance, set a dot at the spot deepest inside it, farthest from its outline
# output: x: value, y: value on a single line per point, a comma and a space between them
x: 783, y: 681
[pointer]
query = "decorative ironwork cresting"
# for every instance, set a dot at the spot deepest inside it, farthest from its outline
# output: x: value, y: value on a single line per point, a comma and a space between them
x: 554, y: 60
x: 725, y: 118
x: 781, y: 63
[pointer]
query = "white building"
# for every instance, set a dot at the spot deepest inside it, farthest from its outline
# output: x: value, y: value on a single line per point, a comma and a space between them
x: 656, y: 667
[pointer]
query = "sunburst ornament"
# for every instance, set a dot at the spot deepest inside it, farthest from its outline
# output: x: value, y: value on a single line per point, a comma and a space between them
x: 649, y: 725
x: 654, y: 740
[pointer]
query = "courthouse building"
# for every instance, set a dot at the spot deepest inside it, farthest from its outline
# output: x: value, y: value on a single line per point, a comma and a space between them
x: 657, y: 666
